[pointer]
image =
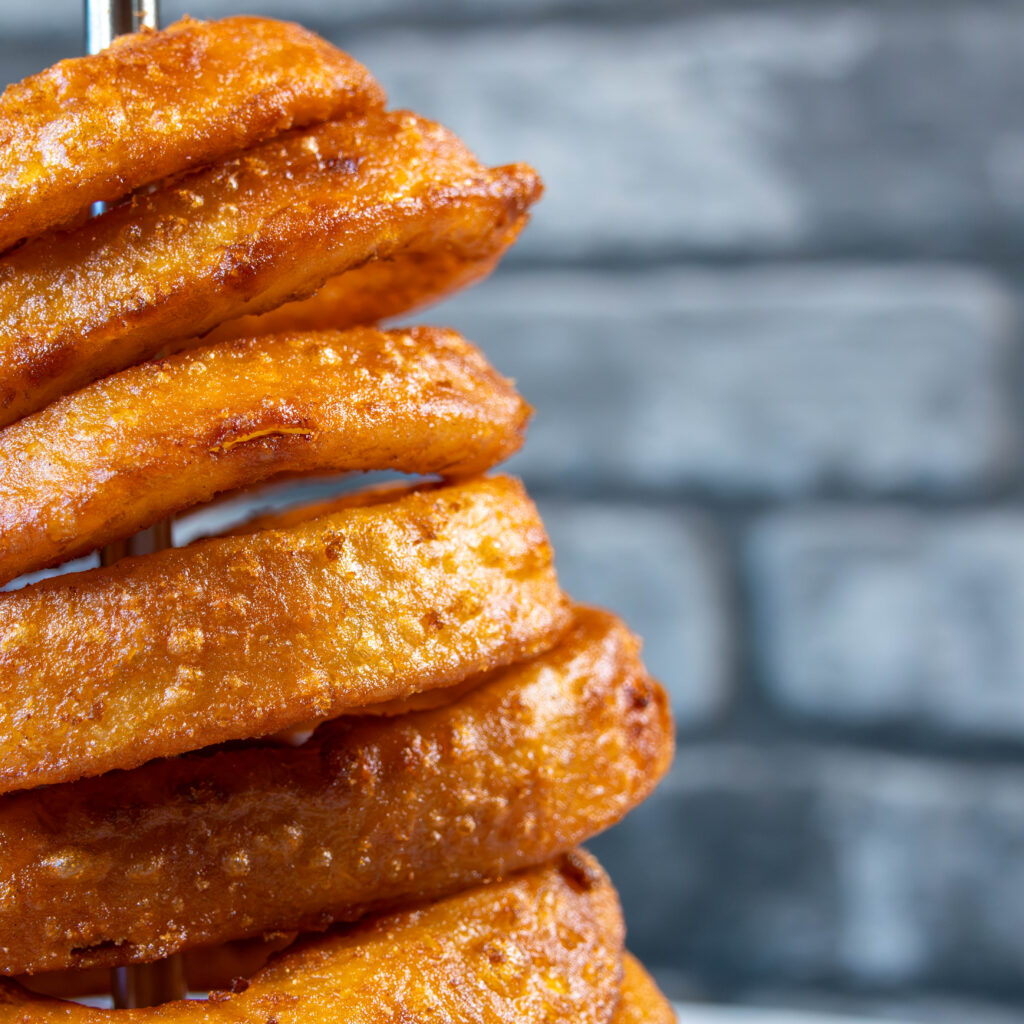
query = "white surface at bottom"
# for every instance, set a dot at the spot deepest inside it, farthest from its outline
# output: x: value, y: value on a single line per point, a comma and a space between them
x: 691, y: 1013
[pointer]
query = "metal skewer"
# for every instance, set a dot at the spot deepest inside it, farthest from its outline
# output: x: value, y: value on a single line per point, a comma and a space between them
x: 107, y: 19
x: 143, y: 984
x: 148, y: 984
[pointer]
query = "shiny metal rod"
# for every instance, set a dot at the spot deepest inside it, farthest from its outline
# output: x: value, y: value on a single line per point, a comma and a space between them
x: 104, y: 21
x: 107, y: 19
x: 148, y: 984
x: 145, y: 984
x: 145, y: 542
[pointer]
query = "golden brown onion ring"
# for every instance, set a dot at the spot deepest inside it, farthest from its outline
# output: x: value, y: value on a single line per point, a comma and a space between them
x: 370, y: 813
x: 377, y: 290
x: 642, y: 1001
x: 128, y: 450
x: 153, y: 104
x: 541, y: 946
x: 238, y: 637
x: 241, y: 237
x: 221, y: 967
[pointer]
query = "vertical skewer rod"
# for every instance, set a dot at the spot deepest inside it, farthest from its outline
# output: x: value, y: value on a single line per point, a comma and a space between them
x: 156, y: 538
x: 145, y: 984
x: 107, y: 19
x: 148, y: 984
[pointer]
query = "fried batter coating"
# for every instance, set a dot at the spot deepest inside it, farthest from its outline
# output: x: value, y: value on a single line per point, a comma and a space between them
x: 370, y: 813
x: 104, y: 462
x: 541, y: 946
x: 220, y: 967
x: 239, y: 238
x: 153, y: 104
x: 642, y: 1001
x: 377, y: 290
x: 241, y: 636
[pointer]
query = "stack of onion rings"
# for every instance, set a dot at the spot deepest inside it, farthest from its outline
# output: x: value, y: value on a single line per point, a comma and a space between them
x: 339, y: 718
x: 533, y: 759
x: 541, y: 946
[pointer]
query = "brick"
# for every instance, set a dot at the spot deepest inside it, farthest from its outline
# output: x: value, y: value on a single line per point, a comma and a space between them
x: 665, y: 572
x: 775, y: 866
x: 757, y: 381
x: 881, y: 617
x: 618, y: 121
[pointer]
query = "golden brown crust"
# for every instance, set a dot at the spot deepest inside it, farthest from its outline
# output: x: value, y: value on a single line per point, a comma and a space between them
x: 377, y: 290
x: 545, y: 945
x: 642, y: 1001
x: 240, y: 636
x: 241, y: 237
x: 153, y: 104
x: 219, y: 967
x: 369, y: 813
x: 104, y: 462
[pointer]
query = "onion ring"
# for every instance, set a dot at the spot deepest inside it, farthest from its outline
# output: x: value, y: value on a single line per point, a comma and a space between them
x: 220, y: 967
x: 370, y: 813
x: 104, y: 462
x: 642, y: 1001
x: 465, y: 721
x: 238, y: 637
x: 241, y: 237
x: 541, y: 946
x: 153, y: 104
x: 377, y: 290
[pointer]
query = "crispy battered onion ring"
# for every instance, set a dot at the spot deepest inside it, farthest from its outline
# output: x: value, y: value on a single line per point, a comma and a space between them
x: 466, y: 722
x: 96, y: 128
x: 370, y: 813
x: 238, y: 637
x: 239, y: 238
x: 642, y: 1002
x: 377, y: 290
x: 220, y: 967
x: 541, y: 946
x: 104, y: 462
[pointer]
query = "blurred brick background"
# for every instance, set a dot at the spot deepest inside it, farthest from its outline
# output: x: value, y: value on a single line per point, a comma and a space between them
x: 769, y: 315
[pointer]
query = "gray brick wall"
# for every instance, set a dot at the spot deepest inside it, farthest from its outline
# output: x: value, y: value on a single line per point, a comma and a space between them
x: 758, y: 382
x: 821, y: 865
x: 892, y: 616
x: 769, y: 315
